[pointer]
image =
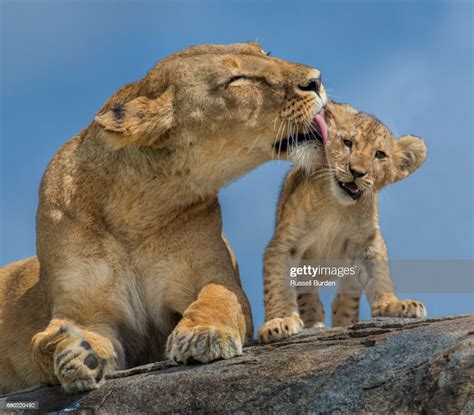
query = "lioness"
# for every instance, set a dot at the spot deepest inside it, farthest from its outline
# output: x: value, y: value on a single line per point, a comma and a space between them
x: 131, y: 263
x: 331, y: 215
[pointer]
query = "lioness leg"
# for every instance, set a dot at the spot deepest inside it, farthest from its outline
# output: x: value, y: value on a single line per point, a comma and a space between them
x: 73, y: 356
x: 213, y: 327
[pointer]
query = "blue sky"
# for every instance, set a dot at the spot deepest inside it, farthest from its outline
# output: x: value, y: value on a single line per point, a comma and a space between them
x: 408, y: 62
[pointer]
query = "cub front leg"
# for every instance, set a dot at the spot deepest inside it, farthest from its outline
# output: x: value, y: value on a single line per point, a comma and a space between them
x: 282, y: 318
x: 213, y: 327
x: 279, y: 328
x: 379, y: 287
x: 388, y: 305
x: 293, y: 226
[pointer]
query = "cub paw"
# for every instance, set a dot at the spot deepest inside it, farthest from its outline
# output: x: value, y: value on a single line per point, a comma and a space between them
x: 203, y: 343
x: 400, y: 308
x: 77, y: 366
x: 280, y: 328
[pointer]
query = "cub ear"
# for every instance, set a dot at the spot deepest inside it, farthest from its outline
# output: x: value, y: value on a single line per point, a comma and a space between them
x: 409, y: 154
x: 141, y: 121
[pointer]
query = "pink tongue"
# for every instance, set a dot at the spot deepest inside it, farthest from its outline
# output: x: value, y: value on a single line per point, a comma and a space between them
x: 351, y: 186
x: 321, y: 125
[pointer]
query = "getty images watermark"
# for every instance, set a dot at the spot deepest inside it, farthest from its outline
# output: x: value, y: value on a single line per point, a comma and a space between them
x: 408, y: 276
x: 317, y: 275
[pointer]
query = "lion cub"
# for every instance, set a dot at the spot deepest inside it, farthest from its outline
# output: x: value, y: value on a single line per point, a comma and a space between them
x: 331, y: 215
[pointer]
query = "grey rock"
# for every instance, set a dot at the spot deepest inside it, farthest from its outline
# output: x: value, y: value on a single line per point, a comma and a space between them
x: 382, y: 365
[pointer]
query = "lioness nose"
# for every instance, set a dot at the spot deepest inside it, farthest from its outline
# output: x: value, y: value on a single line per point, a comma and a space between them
x: 314, y: 84
x: 357, y: 173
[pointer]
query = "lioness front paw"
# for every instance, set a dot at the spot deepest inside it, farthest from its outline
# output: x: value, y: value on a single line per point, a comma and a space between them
x: 280, y: 328
x: 203, y: 343
x: 400, y: 308
x: 77, y: 366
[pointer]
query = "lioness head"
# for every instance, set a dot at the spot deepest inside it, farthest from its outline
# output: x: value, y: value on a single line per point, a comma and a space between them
x: 363, y: 154
x: 225, y: 108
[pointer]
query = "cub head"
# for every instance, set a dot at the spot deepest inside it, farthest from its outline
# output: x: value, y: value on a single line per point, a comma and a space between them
x: 225, y: 107
x: 364, y: 156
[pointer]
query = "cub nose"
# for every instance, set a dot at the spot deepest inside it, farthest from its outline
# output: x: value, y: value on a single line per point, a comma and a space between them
x: 357, y: 173
x: 314, y: 84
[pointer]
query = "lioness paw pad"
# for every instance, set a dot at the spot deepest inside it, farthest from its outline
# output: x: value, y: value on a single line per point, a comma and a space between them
x: 400, y: 308
x: 203, y: 344
x: 280, y: 328
x: 78, y: 367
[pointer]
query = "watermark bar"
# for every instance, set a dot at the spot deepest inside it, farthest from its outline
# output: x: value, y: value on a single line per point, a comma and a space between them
x: 411, y: 276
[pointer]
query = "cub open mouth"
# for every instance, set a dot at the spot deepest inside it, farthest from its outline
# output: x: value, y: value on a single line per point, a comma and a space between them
x: 319, y: 133
x: 350, y: 188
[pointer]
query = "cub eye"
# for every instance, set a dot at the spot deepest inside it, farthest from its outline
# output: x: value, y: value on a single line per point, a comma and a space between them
x: 347, y: 143
x: 235, y: 79
x: 380, y: 155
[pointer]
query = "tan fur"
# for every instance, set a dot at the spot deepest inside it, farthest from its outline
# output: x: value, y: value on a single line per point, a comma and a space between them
x: 316, y: 220
x: 129, y: 231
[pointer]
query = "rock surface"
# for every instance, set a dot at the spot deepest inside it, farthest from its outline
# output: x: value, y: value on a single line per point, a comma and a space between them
x: 379, y: 366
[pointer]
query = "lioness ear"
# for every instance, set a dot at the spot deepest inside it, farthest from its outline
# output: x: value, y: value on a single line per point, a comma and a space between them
x: 409, y: 154
x: 141, y: 121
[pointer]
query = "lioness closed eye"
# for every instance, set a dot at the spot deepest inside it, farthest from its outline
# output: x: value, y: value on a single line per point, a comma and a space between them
x: 332, y: 215
x: 132, y: 265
